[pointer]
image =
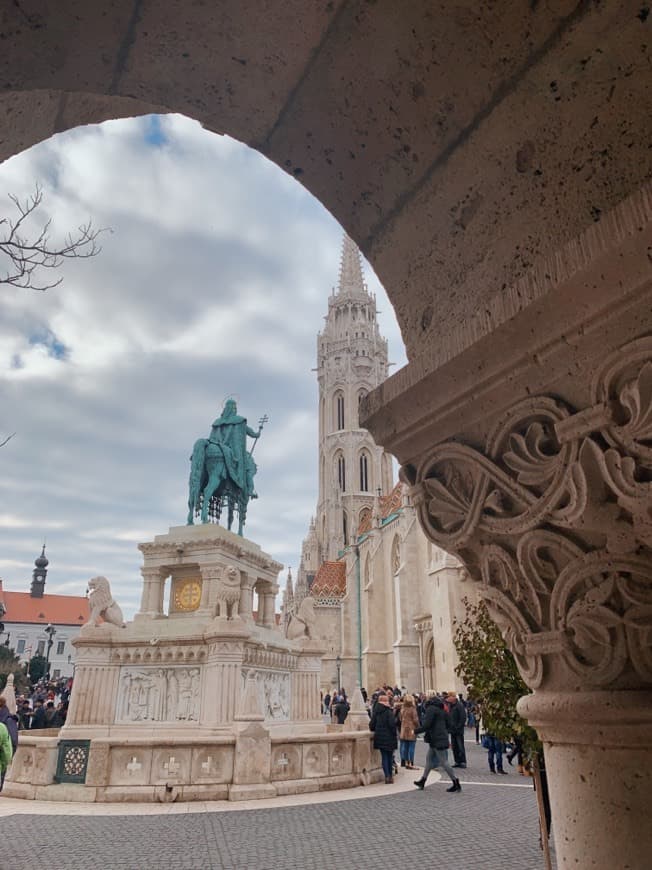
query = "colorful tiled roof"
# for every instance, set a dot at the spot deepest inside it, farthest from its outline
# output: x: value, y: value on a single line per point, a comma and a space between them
x: 55, y: 609
x: 330, y: 580
x: 388, y: 505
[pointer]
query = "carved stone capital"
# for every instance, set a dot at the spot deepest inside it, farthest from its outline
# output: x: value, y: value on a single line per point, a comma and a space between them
x: 553, y: 517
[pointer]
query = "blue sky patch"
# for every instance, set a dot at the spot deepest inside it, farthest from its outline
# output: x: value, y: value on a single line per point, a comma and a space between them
x: 154, y: 134
x: 55, y: 348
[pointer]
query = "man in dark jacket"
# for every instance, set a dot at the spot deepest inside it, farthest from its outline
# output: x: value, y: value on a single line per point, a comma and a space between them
x: 457, y: 718
x: 435, y: 729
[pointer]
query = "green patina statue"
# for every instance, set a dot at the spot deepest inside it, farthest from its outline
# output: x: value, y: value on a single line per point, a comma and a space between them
x: 222, y: 469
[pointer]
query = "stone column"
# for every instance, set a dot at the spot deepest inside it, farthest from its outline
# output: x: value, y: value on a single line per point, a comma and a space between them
x: 151, y: 606
x: 526, y: 443
x: 210, y: 577
x: 266, y: 598
x: 246, y: 608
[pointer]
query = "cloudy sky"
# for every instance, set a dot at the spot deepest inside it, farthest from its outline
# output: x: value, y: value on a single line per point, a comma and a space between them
x: 213, y: 282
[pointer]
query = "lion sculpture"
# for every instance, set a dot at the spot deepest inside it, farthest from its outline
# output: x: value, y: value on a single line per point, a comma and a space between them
x: 102, y: 605
x: 228, y: 593
x: 302, y: 623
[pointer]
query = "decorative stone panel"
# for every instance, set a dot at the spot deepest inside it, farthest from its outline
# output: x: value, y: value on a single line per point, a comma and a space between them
x: 315, y: 760
x: 170, y: 765
x: 72, y: 761
x: 130, y: 766
x: 340, y: 757
x: 212, y: 764
x: 286, y: 761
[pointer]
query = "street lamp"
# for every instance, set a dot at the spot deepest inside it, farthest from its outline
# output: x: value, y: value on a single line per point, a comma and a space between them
x: 50, y: 630
x: 338, y: 665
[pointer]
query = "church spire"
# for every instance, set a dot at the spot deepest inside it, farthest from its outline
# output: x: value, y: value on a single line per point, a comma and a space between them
x: 351, y: 280
x: 39, y: 575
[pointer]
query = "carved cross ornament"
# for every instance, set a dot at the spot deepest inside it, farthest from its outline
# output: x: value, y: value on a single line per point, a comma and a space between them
x: 554, y: 519
x: 134, y: 766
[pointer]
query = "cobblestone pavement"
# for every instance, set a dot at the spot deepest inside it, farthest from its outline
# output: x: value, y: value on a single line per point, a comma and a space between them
x: 491, y: 825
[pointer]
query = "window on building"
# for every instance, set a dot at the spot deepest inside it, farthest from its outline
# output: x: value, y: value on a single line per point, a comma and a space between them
x: 361, y: 396
x: 61, y: 645
x: 20, y: 647
x: 40, y: 649
x: 56, y: 673
x: 339, y: 410
x: 364, y: 472
x: 341, y: 472
x: 345, y: 529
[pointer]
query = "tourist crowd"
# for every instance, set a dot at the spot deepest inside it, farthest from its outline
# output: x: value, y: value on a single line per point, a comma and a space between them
x: 45, y: 706
x: 397, y: 717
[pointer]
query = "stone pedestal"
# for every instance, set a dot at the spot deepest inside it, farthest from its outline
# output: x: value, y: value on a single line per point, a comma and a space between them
x: 184, y: 702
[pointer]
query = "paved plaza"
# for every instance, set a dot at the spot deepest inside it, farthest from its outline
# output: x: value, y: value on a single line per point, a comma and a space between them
x: 491, y: 824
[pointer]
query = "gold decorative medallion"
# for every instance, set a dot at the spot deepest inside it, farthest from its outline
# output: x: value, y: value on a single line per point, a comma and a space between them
x: 187, y: 595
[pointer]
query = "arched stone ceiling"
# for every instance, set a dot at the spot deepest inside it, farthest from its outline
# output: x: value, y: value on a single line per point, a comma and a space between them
x: 458, y: 142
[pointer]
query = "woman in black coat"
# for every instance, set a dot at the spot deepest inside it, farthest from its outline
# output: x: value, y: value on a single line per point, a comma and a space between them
x: 383, y: 724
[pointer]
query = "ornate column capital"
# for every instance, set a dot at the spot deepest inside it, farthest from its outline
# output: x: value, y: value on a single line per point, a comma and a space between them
x: 553, y: 516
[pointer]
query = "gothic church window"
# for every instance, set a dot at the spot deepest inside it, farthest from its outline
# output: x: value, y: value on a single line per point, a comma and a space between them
x: 364, y: 472
x: 341, y: 472
x: 345, y: 530
x: 339, y: 410
x: 361, y: 396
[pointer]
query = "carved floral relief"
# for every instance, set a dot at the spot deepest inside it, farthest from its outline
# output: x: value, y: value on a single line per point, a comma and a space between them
x: 554, y: 518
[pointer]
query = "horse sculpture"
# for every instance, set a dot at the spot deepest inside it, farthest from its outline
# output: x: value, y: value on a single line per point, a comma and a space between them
x: 221, y: 476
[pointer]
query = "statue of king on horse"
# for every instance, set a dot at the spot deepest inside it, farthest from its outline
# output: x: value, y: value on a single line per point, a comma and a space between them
x: 222, y: 470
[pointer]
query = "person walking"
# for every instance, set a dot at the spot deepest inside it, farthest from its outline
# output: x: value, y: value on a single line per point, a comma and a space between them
x: 435, y: 729
x: 383, y: 725
x: 457, y: 717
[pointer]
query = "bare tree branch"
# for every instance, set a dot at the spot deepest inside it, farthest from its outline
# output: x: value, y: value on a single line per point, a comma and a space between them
x: 27, y: 256
x: 8, y: 438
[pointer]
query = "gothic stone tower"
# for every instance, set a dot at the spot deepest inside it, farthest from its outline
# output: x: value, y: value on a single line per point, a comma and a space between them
x: 351, y: 360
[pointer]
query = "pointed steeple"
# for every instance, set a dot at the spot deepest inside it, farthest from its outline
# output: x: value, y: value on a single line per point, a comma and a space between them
x: 351, y: 282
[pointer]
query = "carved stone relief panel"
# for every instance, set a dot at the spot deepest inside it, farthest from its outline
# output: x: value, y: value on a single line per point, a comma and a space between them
x: 554, y: 518
x: 274, y: 689
x: 159, y: 694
